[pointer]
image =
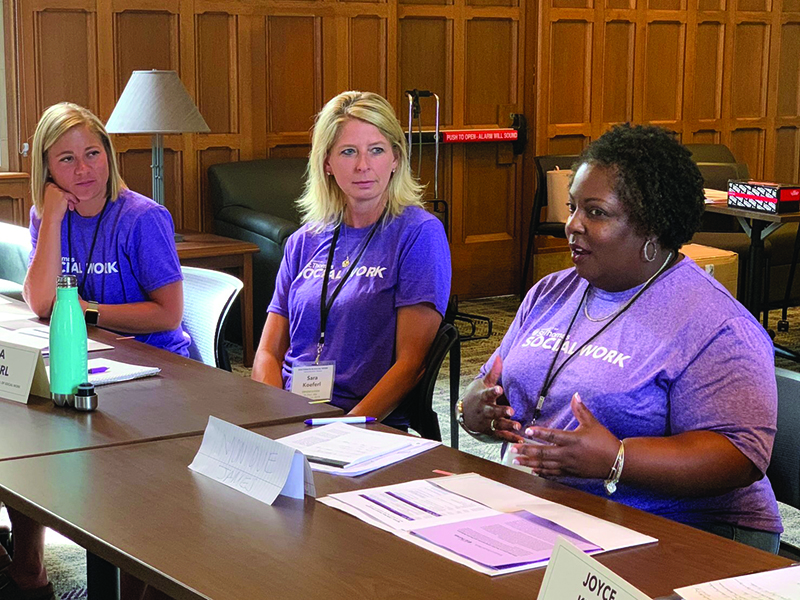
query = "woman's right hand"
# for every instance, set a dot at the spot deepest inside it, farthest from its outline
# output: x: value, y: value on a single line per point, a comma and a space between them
x: 57, y: 202
x: 482, y: 413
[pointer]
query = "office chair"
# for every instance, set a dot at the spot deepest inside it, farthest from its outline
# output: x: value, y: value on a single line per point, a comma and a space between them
x: 537, y: 226
x: 784, y: 467
x: 424, y: 419
x: 15, y: 248
x: 207, y: 297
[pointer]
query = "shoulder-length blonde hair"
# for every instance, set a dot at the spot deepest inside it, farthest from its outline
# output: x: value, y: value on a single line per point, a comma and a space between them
x: 55, y: 122
x: 323, y: 202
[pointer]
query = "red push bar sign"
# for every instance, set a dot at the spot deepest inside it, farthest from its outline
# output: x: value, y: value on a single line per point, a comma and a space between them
x: 480, y: 135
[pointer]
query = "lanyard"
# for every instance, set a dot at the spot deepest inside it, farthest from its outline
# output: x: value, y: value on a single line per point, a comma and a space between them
x: 81, y: 290
x: 325, y: 305
x: 548, y: 380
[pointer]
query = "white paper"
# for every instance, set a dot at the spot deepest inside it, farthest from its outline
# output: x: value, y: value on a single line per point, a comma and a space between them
x: 417, y: 446
x: 13, y: 311
x: 252, y: 464
x: 781, y: 584
x: 115, y: 372
x: 713, y: 196
x: 607, y: 535
x: 571, y: 573
x: 346, y: 443
x: 38, y: 336
x: 22, y: 372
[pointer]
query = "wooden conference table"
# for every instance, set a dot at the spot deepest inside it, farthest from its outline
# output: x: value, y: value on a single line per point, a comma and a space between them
x: 141, y: 508
x: 177, y: 402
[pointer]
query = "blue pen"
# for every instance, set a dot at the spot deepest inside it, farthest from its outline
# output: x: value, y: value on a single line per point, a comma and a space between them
x: 340, y: 420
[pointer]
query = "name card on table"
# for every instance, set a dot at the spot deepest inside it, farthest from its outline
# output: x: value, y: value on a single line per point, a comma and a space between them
x: 252, y: 464
x: 573, y: 575
x: 22, y: 372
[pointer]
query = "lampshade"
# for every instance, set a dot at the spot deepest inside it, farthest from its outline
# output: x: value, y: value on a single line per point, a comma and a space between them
x: 156, y: 102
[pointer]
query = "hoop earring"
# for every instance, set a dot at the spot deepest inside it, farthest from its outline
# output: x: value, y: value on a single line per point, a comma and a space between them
x: 655, y: 250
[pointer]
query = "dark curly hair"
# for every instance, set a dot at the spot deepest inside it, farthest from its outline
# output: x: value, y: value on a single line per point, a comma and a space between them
x: 655, y: 179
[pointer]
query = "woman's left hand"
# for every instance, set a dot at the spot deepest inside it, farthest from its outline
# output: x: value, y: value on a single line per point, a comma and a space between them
x: 588, y: 451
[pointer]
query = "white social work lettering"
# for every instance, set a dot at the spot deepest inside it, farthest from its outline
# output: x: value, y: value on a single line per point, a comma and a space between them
x: 315, y: 270
x: 555, y: 342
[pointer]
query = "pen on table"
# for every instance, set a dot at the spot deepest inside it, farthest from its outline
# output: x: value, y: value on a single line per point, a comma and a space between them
x: 318, y: 401
x: 126, y: 337
x: 340, y: 420
x: 97, y: 370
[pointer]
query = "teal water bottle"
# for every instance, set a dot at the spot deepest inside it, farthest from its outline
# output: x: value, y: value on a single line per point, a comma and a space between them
x: 68, y: 351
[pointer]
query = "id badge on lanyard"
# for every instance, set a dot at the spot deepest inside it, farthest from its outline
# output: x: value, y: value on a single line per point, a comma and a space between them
x: 314, y: 380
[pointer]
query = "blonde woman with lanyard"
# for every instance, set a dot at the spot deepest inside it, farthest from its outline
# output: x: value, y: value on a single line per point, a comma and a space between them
x: 364, y: 283
x: 635, y: 373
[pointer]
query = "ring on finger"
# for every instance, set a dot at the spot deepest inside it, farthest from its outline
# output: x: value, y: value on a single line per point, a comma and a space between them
x: 492, y: 425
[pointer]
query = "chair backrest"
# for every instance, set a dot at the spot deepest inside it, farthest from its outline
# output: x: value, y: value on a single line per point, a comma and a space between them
x: 784, y: 467
x: 15, y: 248
x: 268, y: 185
x: 716, y: 175
x: 423, y: 418
x: 711, y: 153
x: 543, y: 165
x: 207, y: 297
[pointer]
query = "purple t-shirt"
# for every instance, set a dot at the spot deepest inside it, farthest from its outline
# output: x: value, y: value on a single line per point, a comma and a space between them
x: 133, y: 256
x: 684, y: 356
x: 406, y: 263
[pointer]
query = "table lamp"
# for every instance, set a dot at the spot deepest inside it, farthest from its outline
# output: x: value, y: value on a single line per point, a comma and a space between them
x: 156, y: 102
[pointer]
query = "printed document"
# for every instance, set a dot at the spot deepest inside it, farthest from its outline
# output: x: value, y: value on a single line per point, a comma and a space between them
x: 345, y: 444
x: 780, y: 584
x: 454, y: 517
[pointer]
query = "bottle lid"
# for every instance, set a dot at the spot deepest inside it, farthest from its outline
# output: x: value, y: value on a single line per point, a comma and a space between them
x: 67, y: 281
x: 85, y: 397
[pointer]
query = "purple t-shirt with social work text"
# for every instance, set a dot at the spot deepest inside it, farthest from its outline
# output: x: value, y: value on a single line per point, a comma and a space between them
x: 407, y: 262
x: 134, y: 255
x: 684, y: 356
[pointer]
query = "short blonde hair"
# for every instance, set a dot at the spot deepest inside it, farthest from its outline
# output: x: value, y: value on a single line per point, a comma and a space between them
x: 323, y: 202
x: 55, y: 122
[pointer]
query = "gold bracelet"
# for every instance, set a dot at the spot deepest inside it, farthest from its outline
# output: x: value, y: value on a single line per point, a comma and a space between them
x: 616, y: 471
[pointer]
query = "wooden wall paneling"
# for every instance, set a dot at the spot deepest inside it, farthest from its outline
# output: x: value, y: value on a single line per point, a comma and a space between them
x: 749, y: 68
x: 706, y: 81
x: 789, y: 70
x: 663, y: 84
x: 216, y: 71
x: 294, y: 72
x: 570, y: 72
x: 616, y: 85
x: 207, y: 157
x: 367, y: 56
x: 290, y: 151
x: 753, y: 5
x: 704, y: 136
x: 791, y: 6
x: 252, y: 72
x: 787, y: 155
x: 490, y: 69
x: 66, y: 60
x: 425, y: 62
x: 136, y: 52
x: 748, y: 146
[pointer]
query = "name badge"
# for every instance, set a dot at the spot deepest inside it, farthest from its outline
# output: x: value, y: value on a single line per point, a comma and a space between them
x: 314, y: 381
x: 571, y: 573
x: 22, y: 372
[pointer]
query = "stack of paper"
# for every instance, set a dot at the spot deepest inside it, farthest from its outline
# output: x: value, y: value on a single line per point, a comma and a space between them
x: 112, y: 371
x: 346, y: 450
x: 477, y: 522
x: 715, y: 196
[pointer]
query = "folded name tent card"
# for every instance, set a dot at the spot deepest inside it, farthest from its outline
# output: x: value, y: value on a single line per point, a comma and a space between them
x: 252, y: 464
x: 22, y: 372
x: 572, y: 573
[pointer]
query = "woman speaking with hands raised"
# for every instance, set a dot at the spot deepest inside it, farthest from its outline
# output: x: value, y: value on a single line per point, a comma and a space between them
x: 636, y: 373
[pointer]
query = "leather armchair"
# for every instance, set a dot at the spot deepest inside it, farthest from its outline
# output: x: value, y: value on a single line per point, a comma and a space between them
x: 254, y: 201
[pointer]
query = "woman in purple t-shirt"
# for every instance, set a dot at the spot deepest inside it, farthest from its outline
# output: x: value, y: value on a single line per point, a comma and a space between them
x: 118, y: 243
x: 635, y: 373
x: 380, y: 261
x: 120, y: 246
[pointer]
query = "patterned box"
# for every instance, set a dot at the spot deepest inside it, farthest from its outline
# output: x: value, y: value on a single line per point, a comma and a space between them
x: 764, y: 197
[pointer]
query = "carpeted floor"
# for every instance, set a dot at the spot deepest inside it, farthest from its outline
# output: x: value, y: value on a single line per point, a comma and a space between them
x: 66, y: 561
